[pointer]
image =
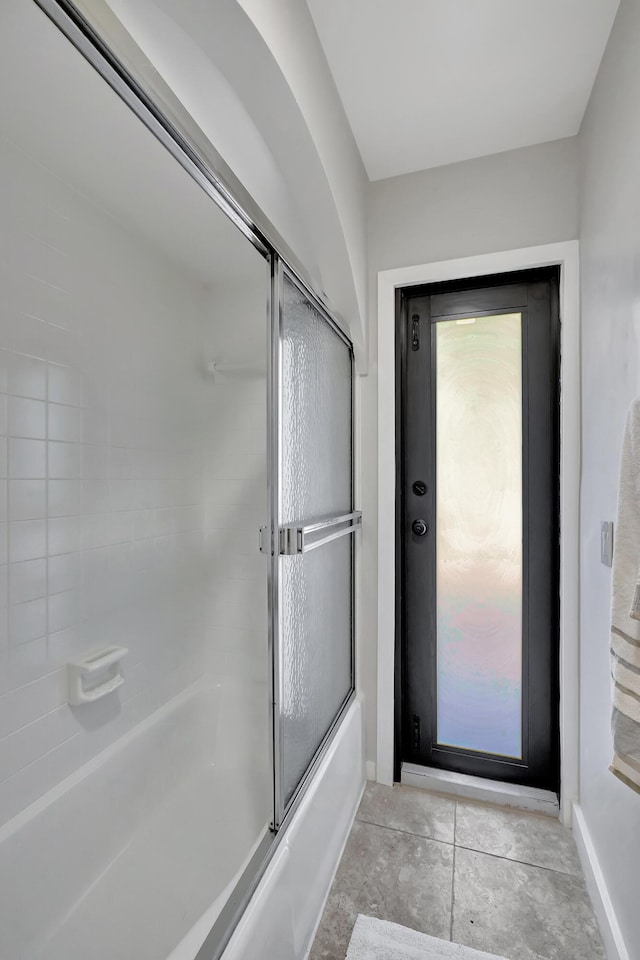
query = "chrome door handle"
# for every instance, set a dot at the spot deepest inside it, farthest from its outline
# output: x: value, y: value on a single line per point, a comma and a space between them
x: 300, y: 539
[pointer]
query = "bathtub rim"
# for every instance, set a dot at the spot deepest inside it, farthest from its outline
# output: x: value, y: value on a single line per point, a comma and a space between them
x: 98, y: 760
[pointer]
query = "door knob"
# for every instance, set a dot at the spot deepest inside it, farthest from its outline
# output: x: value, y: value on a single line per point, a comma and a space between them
x: 420, y: 527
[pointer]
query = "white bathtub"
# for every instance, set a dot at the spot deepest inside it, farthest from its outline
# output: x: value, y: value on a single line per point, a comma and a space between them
x: 133, y: 857
x: 124, y: 857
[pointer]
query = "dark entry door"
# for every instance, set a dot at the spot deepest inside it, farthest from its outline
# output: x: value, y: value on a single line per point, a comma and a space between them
x: 479, y: 531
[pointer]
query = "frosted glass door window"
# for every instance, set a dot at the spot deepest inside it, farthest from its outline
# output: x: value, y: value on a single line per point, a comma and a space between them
x: 315, y: 593
x: 479, y: 533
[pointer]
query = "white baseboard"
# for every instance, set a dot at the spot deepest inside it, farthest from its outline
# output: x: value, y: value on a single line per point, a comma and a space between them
x: 476, y: 788
x: 602, y: 905
x: 371, y: 770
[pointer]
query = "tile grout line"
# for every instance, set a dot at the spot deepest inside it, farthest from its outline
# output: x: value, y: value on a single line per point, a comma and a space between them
x: 523, y: 863
x: 486, y: 853
x: 453, y: 872
x: 406, y: 833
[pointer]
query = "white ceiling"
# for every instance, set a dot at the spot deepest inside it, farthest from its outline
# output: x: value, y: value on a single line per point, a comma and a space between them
x: 429, y: 82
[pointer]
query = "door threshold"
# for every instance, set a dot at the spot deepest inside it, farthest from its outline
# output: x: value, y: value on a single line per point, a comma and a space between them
x: 476, y: 788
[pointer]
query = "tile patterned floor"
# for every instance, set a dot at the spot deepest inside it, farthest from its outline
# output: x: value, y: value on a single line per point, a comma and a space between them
x: 499, y: 880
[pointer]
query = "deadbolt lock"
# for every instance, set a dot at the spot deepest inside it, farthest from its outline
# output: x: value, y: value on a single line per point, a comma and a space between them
x: 420, y: 527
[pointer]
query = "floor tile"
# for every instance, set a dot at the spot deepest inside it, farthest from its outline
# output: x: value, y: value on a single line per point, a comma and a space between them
x: 531, y: 838
x: 390, y: 875
x: 409, y: 809
x: 522, y: 912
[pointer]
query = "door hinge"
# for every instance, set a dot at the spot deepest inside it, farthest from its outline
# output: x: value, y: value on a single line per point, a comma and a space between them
x: 416, y: 732
x: 415, y: 331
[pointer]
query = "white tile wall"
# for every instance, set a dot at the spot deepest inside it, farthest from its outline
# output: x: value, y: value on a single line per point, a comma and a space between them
x: 236, y: 505
x: 131, y: 486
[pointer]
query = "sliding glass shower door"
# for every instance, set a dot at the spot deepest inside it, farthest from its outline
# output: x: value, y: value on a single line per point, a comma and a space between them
x: 147, y: 322
x: 313, y: 522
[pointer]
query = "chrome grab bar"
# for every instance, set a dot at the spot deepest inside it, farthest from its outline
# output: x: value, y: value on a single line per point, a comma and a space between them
x: 295, y: 539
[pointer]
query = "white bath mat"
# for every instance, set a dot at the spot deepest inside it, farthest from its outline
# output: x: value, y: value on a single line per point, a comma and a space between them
x: 379, y: 940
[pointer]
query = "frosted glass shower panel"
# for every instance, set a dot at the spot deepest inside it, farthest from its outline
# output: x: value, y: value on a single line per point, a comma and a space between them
x: 316, y: 650
x: 316, y: 413
x: 315, y: 596
x: 479, y: 533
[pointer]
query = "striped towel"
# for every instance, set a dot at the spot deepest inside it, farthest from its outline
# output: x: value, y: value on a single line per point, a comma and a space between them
x: 625, y: 611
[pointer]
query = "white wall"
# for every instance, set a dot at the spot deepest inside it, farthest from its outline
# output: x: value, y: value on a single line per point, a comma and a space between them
x: 516, y: 199
x: 236, y: 488
x: 609, y: 145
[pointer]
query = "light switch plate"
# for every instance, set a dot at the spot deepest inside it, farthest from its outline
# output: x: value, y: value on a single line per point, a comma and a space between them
x: 606, y: 542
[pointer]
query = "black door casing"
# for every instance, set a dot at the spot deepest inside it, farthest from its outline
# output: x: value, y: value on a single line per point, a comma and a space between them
x: 535, y: 295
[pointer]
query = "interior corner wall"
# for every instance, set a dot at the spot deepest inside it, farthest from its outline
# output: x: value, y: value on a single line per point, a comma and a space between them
x: 516, y: 199
x: 609, y: 207
x: 288, y: 29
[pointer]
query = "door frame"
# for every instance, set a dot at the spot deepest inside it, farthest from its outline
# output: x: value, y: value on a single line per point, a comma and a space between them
x: 566, y: 256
